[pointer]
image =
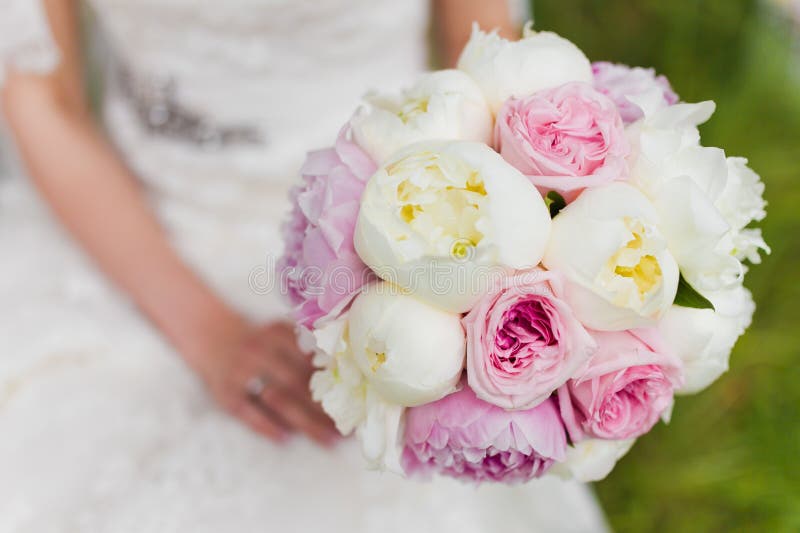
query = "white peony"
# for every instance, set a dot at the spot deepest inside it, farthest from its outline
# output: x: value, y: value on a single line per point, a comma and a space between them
x: 435, y: 218
x: 740, y: 203
x: 410, y: 352
x: 704, y: 338
x: 351, y: 402
x: 619, y: 272
x: 540, y: 60
x: 703, y: 199
x: 381, y: 434
x: 339, y: 385
x: 443, y: 105
x: 592, y: 459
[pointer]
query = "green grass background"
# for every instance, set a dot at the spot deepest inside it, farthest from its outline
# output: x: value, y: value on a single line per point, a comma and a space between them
x: 729, y: 460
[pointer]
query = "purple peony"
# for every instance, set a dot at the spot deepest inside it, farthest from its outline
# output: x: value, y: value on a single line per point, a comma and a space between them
x: 618, y: 82
x: 320, y: 267
x: 464, y: 437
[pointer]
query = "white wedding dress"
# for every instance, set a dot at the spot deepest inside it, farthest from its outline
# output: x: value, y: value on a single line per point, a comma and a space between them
x: 102, y: 428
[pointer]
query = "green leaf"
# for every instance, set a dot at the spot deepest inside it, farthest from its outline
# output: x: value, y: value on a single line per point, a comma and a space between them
x: 687, y: 296
x: 554, y: 202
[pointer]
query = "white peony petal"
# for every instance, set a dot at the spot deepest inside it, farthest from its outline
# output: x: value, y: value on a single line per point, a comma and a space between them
x: 649, y: 101
x: 592, y: 459
x: 741, y: 203
x: 619, y: 272
x: 328, y: 336
x: 704, y: 200
x: 381, y: 434
x: 696, y: 233
x: 540, y: 60
x: 704, y: 338
x: 409, y: 352
x: 445, y: 104
x: 338, y: 385
x: 440, y: 216
x: 707, y: 168
x: 682, y: 115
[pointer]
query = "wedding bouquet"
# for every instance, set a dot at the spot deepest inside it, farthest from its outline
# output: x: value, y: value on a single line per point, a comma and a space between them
x: 511, y: 268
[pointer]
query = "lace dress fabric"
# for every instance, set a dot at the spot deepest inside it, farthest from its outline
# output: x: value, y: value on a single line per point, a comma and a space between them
x: 102, y: 429
x: 26, y: 42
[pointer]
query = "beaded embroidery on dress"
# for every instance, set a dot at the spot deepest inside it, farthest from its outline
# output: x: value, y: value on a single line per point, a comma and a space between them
x: 102, y: 429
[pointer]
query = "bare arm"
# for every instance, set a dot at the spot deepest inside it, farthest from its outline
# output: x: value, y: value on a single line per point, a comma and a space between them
x: 453, y: 22
x: 98, y: 200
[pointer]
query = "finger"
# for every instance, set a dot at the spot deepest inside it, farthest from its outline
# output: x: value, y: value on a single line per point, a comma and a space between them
x: 307, y: 402
x: 308, y: 419
x: 291, y: 355
x: 274, y: 401
x: 295, y: 382
x: 276, y: 371
x: 278, y: 329
x: 286, y: 336
x: 260, y: 421
x: 276, y: 360
x: 286, y: 373
x: 277, y: 377
x: 304, y: 371
x: 300, y: 414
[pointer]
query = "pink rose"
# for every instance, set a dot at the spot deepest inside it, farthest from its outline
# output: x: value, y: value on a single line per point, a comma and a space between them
x: 628, y: 384
x: 564, y: 139
x: 618, y: 82
x: 321, y: 268
x: 464, y: 437
x: 523, y: 341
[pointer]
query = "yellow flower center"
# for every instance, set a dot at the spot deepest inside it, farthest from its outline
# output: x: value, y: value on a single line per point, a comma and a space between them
x: 376, y: 359
x: 461, y: 249
x: 409, y: 212
x: 440, y: 198
x: 646, y: 274
x: 412, y: 108
x: 475, y: 184
x: 633, y: 263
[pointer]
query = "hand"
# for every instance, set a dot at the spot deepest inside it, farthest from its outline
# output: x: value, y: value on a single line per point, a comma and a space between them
x: 268, y: 354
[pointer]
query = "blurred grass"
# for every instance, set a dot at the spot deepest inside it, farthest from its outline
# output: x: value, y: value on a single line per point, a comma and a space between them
x: 730, y: 458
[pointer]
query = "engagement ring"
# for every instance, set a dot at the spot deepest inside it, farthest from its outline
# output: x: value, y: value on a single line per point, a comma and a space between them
x: 256, y: 386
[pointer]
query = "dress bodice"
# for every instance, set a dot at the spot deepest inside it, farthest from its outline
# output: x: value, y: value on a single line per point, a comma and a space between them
x: 225, y: 97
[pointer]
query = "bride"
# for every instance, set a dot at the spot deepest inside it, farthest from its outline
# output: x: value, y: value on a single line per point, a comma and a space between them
x: 129, y: 330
